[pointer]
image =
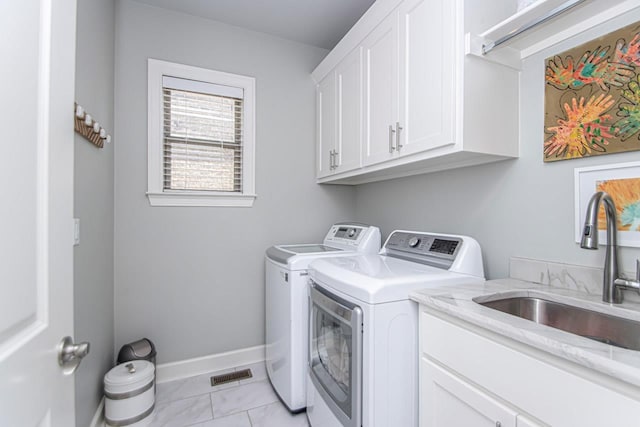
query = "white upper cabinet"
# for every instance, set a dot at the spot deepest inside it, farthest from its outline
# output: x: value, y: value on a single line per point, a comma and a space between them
x: 426, y: 77
x: 424, y: 105
x: 408, y: 81
x: 380, y: 50
x: 339, y: 117
x: 349, y: 105
x: 326, y: 124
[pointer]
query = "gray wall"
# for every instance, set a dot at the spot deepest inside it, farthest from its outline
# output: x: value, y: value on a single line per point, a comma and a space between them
x: 520, y: 207
x: 192, y: 279
x: 93, y: 194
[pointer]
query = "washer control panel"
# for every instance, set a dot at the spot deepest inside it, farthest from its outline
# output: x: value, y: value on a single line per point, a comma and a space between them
x: 361, y: 237
x: 346, y: 232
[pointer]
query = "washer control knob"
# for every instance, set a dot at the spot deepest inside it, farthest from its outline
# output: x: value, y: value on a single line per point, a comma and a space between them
x: 352, y: 232
x: 413, y: 242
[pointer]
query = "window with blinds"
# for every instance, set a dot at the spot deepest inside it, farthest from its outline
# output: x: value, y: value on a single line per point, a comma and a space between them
x: 202, y: 136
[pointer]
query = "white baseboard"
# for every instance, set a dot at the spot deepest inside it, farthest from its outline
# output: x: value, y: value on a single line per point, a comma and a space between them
x: 201, y: 365
x: 98, y: 418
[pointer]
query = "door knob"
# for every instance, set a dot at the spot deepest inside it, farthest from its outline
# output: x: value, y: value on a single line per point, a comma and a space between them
x: 70, y: 355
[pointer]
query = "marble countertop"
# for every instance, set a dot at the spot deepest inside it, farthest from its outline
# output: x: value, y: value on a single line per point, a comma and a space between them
x: 457, y: 301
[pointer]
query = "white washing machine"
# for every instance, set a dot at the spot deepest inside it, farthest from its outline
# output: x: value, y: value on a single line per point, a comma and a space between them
x: 363, y: 369
x: 287, y: 304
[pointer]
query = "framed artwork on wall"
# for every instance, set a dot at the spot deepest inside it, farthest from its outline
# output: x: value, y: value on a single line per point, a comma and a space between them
x: 592, y: 97
x: 622, y: 182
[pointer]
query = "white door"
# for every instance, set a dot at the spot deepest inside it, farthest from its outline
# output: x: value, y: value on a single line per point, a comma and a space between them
x: 448, y: 401
x: 349, y: 82
x: 380, y: 50
x: 427, y: 75
x: 36, y: 290
x: 326, y: 125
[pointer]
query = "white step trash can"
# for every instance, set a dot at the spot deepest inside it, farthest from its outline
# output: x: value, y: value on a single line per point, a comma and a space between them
x: 129, y: 391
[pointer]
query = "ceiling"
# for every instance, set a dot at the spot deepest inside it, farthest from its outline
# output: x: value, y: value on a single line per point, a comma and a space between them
x: 319, y: 23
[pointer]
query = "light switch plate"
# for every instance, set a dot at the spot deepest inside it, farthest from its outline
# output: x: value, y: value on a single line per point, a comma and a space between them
x: 76, y: 231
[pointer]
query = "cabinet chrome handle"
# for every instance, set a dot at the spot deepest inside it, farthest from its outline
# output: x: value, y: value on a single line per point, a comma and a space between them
x: 391, y: 131
x: 336, y: 161
x: 330, y: 159
x: 398, y: 129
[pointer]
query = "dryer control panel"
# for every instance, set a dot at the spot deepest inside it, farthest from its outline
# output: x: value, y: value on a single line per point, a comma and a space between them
x: 426, y: 248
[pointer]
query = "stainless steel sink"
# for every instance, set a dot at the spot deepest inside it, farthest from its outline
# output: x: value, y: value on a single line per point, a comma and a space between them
x: 601, y: 327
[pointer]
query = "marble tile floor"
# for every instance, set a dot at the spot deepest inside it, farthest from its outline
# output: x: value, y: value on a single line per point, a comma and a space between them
x: 194, y: 402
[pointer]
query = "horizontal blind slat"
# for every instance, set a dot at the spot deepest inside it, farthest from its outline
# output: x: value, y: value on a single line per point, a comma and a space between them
x: 180, y: 147
x: 201, y: 87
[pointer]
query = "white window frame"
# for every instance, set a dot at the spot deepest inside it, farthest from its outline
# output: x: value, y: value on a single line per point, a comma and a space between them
x: 155, y: 191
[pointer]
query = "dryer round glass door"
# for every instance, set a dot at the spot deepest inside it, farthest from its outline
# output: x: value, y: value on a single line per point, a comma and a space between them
x: 336, y: 354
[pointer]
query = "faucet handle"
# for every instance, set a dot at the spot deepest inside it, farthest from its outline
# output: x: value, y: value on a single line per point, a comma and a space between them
x: 630, y: 284
x: 627, y: 284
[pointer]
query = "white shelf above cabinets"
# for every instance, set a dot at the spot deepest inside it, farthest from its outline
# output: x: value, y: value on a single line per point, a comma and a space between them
x: 541, y: 25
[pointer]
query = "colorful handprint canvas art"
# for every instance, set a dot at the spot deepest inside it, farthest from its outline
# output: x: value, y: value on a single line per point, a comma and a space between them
x: 592, y: 97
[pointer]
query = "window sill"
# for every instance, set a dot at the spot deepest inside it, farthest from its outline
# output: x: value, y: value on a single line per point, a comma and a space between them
x: 201, y: 199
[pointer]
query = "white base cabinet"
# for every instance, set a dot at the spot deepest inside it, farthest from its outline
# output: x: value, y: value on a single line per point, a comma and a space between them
x: 473, y: 377
x: 454, y: 402
x: 424, y: 105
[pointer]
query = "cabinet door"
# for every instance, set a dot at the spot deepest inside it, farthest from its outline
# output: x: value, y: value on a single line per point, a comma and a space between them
x: 326, y: 124
x: 349, y: 84
x: 380, y: 50
x: 448, y: 401
x: 427, y: 75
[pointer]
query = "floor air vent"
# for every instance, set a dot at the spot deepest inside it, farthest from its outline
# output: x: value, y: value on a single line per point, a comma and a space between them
x: 230, y: 377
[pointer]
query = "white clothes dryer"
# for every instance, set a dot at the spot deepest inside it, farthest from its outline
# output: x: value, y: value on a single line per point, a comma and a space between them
x: 287, y: 304
x: 363, y: 367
